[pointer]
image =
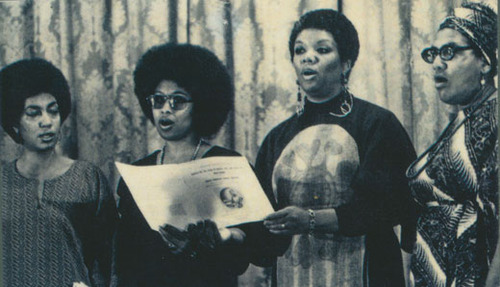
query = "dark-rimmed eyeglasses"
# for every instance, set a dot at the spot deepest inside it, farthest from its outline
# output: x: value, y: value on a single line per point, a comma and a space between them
x: 176, y: 102
x: 446, y: 52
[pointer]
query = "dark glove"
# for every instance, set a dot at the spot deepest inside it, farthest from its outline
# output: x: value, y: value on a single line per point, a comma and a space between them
x: 202, y: 237
x: 178, y: 241
x: 207, y: 234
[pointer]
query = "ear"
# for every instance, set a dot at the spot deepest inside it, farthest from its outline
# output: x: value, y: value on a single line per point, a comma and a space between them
x: 346, y: 67
x: 485, y: 68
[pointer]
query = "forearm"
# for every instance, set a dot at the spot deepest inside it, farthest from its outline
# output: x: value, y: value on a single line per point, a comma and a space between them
x: 407, y: 268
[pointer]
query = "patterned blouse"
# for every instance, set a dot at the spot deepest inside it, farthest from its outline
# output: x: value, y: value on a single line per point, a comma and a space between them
x: 63, y: 239
x: 455, y: 184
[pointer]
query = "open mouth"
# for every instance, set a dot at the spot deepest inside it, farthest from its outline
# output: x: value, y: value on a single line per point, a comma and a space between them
x: 47, y: 137
x: 165, y: 123
x: 440, y: 80
x: 309, y: 74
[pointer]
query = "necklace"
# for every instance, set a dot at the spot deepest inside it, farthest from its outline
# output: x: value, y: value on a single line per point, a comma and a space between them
x: 345, y: 107
x: 195, y: 154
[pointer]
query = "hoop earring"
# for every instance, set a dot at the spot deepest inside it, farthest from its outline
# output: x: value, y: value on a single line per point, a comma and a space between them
x: 300, y: 101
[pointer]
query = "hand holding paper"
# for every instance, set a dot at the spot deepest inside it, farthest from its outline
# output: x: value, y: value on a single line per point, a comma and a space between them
x: 222, y: 189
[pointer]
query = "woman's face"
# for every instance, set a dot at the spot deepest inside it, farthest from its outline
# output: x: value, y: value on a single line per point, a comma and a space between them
x: 457, y: 80
x: 40, y: 123
x: 317, y: 64
x: 173, y: 125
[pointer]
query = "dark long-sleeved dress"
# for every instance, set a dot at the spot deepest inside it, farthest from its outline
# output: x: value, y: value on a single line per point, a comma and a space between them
x: 356, y: 165
x: 63, y: 239
x: 455, y: 183
x: 143, y: 258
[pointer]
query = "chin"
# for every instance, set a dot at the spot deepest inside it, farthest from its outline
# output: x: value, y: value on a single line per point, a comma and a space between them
x: 46, y: 148
x: 446, y: 98
x: 173, y: 137
x: 311, y: 90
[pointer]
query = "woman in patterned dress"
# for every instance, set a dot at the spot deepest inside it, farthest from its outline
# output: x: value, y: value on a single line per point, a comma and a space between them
x: 58, y: 214
x: 336, y: 169
x: 455, y: 180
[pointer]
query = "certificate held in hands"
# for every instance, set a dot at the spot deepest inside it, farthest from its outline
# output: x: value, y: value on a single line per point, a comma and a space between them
x: 223, y: 189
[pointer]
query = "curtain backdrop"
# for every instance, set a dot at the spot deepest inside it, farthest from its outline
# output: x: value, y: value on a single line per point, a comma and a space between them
x: 97, y: 44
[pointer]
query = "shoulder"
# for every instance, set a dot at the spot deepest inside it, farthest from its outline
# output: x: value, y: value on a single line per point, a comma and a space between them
x: 371, y: 116
x: 8, y: 165
x: 85, y: 167
x: 371, y: 110
x: 86, y: 172
x: 220, y: 151
x: 285, y: 127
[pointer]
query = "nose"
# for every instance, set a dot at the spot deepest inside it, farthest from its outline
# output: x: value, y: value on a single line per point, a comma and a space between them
x: 439, y: 64
x: 309, y: 57
x: 45, y: 120
x: 167, y: 108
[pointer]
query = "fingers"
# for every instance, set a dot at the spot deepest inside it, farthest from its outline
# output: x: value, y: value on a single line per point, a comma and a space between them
x: 177, y: 241
x: 210, y: 236
x: 276, y: 225
x: 276, y: 220
x: 204, y: 236
x: 282, y: 232
x: 278, y: 214
x: 282, y: 229
x: 279, y: 228
x: 288, y: 221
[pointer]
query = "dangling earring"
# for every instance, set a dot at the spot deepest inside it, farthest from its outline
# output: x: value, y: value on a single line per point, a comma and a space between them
x: 483, y: 79
x: 344, y: 81
x: 300, y: 101
x: 19, y: 139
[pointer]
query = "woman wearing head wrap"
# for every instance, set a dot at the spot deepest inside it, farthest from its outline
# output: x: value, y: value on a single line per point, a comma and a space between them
x: 336, y: 169
x: 58, y: 214
x: 455, y: 180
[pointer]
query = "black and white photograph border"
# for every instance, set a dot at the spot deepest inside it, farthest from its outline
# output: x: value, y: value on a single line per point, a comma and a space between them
x: 96, y: 45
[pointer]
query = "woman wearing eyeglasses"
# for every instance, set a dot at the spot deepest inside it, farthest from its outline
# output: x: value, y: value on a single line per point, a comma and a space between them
x: 455, y: 180
x: 186, y: 92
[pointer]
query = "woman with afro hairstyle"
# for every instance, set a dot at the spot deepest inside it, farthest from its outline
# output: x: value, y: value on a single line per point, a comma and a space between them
x: 58, y: 214
x: 337, y: 169
x: 186, y: 92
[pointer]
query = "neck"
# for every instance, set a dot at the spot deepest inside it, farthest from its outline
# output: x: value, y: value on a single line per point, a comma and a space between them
x: 181, y: 150
x: 476, y: 95
x: 36, y: 163
x: 318, y: 99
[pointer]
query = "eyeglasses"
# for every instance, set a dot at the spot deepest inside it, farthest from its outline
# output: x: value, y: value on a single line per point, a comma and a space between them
x: 446, y: 52
x: 176, y: 102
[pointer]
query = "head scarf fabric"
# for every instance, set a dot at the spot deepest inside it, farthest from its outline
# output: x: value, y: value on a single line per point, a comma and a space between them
x: 478, y: 23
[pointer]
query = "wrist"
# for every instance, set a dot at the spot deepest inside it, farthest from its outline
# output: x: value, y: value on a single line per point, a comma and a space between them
x: 326, y: 221
x: 312, y: 221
